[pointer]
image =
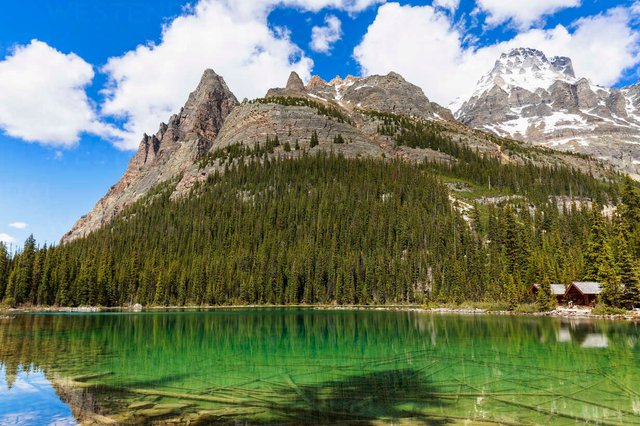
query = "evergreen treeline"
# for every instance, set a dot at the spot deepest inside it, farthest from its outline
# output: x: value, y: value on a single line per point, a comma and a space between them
x: 325, y: 229
x: 612, y: 252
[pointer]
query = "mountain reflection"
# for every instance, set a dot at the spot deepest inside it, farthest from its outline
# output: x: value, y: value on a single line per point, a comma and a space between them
x: 279, y: 365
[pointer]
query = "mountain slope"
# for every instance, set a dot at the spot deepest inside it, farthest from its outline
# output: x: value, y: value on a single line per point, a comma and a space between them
x: 212, y: 125
x: 187, y: 135
x: 327, y: 194
x: 539, y: 100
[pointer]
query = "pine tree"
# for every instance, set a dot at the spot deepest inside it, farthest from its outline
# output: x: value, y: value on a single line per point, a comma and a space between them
x: 631, y: 293
x: 626, y: 265
x: 611, y: 294
x: 546, y: 300
x: 510, y: 291
x: 595, y: 245
x: 4, y: 269
x: 24, y: 278
x: 631, y: 201
x: 314, y: 139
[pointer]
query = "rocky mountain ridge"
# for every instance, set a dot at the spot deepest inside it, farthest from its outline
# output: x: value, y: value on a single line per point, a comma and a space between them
x: 530, y: 97
x: 345, y: 116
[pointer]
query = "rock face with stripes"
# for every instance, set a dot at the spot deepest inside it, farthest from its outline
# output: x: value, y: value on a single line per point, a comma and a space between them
x: 538, y: 99
x: 162, y: 156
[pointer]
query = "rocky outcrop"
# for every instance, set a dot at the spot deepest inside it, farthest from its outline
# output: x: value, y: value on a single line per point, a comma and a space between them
x: 168, y: 153
x: 386, y: 93
x: 539, y: 100
x: 295, y: 87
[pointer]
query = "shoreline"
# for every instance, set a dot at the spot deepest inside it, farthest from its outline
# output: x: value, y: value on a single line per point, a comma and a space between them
x: 560, y: 312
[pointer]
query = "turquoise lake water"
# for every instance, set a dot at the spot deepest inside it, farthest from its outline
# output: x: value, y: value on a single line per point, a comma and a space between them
x: 293, y: 366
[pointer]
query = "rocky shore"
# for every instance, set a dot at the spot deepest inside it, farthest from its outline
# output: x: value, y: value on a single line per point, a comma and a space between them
x: 561, y: 312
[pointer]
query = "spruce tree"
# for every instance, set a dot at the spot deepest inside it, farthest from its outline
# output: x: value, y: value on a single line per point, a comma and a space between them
x: 609, y: 278
x: 314, y: 139
x: 24, y: 278
x: 595, y: 245
x: 546, y: 300
x: 4, y: 269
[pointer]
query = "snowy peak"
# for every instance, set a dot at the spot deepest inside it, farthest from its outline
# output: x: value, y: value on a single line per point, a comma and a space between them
x: 528, y: 69
x: 529, y: 96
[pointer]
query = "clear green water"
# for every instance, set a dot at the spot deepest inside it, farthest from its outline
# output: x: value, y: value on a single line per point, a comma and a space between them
x: 325, y: 367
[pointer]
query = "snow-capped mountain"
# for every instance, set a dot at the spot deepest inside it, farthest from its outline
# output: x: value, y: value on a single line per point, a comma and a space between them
x: 537, y: 99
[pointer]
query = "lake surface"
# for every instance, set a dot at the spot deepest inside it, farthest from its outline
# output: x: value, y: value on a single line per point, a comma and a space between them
x: 286, y: 366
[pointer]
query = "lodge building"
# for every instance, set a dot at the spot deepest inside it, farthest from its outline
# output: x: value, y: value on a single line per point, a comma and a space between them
x: 584, y: 293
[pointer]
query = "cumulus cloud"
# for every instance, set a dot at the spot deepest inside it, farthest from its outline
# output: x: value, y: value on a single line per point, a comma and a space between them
x: 450, y: 5
x: 523, y: 13
x: 18, y: 225
x: 322, y: 38
x: 428, y: 50
x: 43, y: 98
x: 6, y: 238
x: 148, y: 84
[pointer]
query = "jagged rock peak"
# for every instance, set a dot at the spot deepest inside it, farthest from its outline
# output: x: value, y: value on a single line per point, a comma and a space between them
x: 529, y: 69
x: 347, y: 81
x: 295, y: 82
x: 315, y: 81
x: 168, y: 153
x: 207, y: 107
x: 523, y: 57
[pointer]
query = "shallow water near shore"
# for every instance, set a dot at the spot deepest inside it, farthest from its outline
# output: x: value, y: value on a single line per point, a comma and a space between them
x: 293, y: 366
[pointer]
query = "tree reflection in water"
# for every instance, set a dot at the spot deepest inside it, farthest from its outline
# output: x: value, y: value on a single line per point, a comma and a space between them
x: 325, y: 367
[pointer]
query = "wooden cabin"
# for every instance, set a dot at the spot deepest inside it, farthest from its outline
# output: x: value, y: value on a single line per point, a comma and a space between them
x: 557, y: 290
x: 583, y: 292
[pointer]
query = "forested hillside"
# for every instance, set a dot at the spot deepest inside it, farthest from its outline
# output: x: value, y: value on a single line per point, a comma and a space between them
x: 309, y: 197
x: 326, y: 229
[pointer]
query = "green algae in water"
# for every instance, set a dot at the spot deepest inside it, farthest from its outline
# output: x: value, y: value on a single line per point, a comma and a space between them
x: 284, y: 366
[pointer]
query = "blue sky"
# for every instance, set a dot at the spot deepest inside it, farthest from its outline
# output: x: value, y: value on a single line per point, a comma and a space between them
x: 80, y: 81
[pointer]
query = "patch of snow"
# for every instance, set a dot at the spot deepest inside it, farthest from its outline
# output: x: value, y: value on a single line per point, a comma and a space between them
x: 524, y: 68
x: 565, y: 120
x: 573, y: 140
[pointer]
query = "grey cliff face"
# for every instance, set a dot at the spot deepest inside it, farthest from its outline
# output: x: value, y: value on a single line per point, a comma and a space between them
x: 387, y: 93
x: 169, y: 152
x: 539, y: 100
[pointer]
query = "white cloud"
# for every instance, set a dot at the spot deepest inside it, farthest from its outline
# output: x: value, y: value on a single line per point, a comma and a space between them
x: 450, y: 5
x: 233, y: 37
x: 427, y: 48
x: 43, y: 98
x: 18, y: 225
x: 6, y: 238
x: 257, y: 7
x: 322, y: 38
x: 523, y: 13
